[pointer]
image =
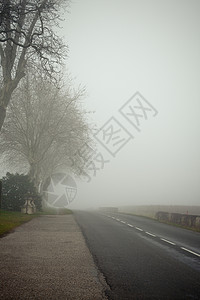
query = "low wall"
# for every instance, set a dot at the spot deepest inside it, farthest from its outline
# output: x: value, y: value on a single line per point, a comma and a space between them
x: 151, y: 210
x: 180, y: 219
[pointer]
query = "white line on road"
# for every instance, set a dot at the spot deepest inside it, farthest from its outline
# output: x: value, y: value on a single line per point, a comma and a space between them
x: 138, y: 228
x: 169, y: 242
x: 190, y: 251
x: 150, y: 234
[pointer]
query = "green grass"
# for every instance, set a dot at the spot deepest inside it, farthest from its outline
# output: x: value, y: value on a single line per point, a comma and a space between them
x: 52, y: 211
x: 10, y: 219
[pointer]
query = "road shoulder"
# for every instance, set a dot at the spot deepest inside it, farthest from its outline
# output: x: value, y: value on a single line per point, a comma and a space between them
x: 47, y: 258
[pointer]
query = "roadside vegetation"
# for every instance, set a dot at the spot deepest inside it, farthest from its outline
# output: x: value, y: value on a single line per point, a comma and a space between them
x: 15, y: 189
x: 52, y: 211
x: 42, y: 122
x: 179, y: 225
x: 164, y: 222
x: 12, y: 219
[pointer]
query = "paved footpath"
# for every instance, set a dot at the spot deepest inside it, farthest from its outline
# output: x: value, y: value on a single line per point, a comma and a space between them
x: 47, y: 258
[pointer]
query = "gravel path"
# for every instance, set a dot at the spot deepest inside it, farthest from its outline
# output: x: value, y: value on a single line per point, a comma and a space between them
x: 47, y: 258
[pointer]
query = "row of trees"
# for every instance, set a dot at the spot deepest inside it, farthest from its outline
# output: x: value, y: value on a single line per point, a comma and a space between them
x: 41, y: 120
x: 44, y: 127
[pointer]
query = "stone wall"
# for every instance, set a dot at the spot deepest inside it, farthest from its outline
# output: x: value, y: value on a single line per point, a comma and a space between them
x: 180, y: 219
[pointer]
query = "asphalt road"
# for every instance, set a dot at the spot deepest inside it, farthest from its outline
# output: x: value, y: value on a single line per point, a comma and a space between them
x: 141, y: 258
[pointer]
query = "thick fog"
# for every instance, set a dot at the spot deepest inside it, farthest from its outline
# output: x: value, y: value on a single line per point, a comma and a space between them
x: 116, y: 49
x: 139, y: 61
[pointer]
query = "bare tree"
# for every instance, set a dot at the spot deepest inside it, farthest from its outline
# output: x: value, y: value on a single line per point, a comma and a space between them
x: 26, y: 34
x: 44, y: 127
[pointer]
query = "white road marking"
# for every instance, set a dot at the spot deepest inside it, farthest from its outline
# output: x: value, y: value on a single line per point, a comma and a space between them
x: 190, y: 251
x: 150, y: 234
x: 138, y: 228
x: 169, y: 242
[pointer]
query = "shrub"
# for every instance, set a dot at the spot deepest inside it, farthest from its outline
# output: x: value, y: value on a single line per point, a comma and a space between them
x: 15, y: 190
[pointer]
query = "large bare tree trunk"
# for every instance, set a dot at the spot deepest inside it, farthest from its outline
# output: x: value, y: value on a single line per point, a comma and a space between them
x: 34, y: 175
x: 6, y: 91
x: 5, y: 96
x: 2, y: 116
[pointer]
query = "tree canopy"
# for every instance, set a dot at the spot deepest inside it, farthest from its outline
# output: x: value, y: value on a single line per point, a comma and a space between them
x: 27, y: 35
x: 45, y: 126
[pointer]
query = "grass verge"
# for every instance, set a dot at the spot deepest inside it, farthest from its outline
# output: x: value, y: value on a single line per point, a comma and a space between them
x: 181, y: 226
x: 164, y: 222
x: 53, y: 211
x: 11, y: 219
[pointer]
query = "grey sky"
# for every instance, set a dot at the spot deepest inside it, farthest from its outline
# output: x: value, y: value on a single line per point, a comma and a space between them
x: 120, y: 47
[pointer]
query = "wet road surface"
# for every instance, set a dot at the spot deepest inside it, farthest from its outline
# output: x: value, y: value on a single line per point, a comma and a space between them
x: 141, y: 258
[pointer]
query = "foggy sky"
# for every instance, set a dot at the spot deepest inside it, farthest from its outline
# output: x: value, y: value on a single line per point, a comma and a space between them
x: 120, y: 47
x: 117, y: 48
